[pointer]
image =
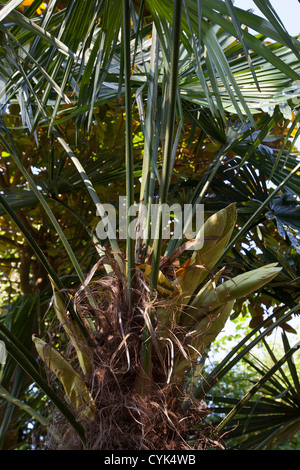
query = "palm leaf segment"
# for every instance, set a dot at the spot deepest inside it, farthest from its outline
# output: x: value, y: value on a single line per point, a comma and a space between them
x: 87, y: 60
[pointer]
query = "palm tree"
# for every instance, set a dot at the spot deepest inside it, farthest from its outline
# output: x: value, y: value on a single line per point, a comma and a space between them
x: 136, y: 331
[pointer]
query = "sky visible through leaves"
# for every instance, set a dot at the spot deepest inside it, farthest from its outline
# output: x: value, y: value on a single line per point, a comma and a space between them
x: 287, y: 10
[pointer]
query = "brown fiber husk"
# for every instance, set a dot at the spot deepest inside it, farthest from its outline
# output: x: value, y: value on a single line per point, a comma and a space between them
x: 124, y: 419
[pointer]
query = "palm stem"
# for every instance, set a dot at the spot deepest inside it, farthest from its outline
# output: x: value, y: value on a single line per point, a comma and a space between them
x: 129, y: 147
x: 167, y: 160
x: 164, y: 188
